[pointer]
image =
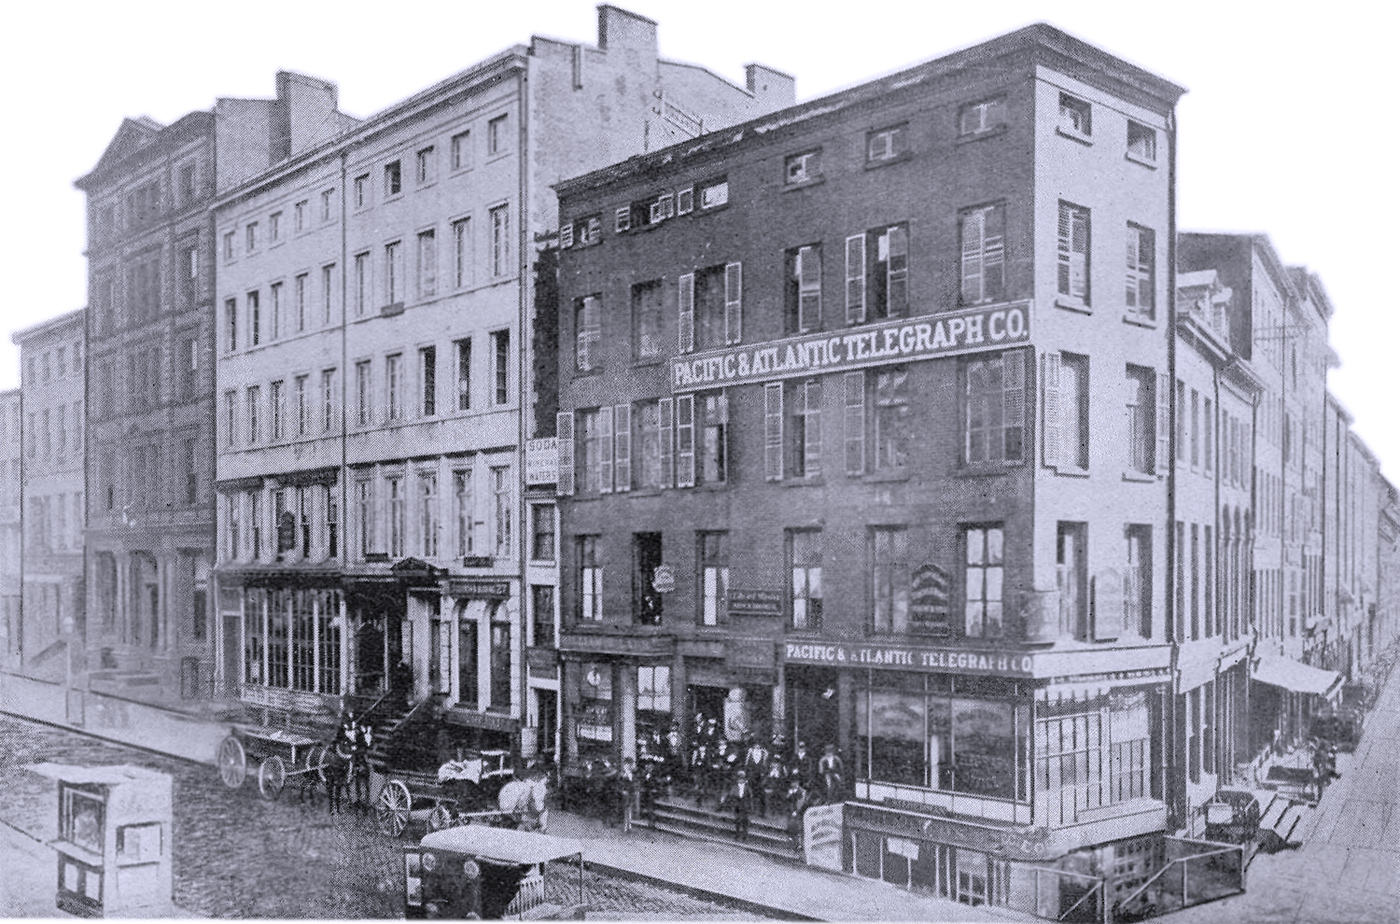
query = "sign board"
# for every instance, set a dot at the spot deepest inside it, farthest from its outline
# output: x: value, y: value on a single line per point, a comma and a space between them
x: 542, y: 460
x: 902, y: 340
x: 663, y: 579
x: 485, y: 589
x: 928, y: 603
x: 821, y: 836
x: 951, y: 660
x: 746, y: 601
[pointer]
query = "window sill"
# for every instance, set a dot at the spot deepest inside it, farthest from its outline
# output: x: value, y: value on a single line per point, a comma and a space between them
x: 883, y: 477
x: 1073, y: 304
x: 1137, y: 320
x: 979, y: 136
x: 815, y: 481
x: 392, y: 197
x: 648, y: 363
x: 391, y: 309
x: 1070, y: 471
x: 897, y: 159
x: 1139, y: 159
x: 426, y: 184
x: 1140, y: 477
x: 805, y: 184
x: 986, y: 469
x: 1072, y: 135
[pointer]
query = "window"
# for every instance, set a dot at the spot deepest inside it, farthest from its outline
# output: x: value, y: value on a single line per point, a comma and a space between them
x: 500, y: 658
x: 427, y: 378
x: 189, y: 273
x: 254, y: 401
x: 1075, y: 116
x: 278, y: 400
x: 361, y: 190
x: 500, y: 365
x: 188, y: 189
x: 713, y: 194
x: 464, y: 511
x: 361, y: 283
x: 1066, y: 407
x: 1142, y: 424
x: 424, y: 166
x: 685, y: 200
x: 461, y: 150
x: 274, y: 227
x: 982, y: 579
x: 983, y: 268
x: 590, y: 578
x: 1072, y: 578
x: 275, y: 291
x: 804, y: 289
x: 500, y: 241
x: 363, y: 409
x: 646, y: 320
x: 710, y: 307
x: 254, y: 319
x: 982, y: 116
x: 393, y: 179
x: 364, y: 515
x: 328, y: 293
x: 589, y: 230
x: 1073, y: 249
x: 393, y: 385
x: 496, y: 140
x: 327, y: 204
x: 889, y: 568
x: 1207, y: 432
x: 230, y: 417
x: 1142, y: 142
x: 588, y: 332
x: 461, y: 253
x: 251, y: 237
x: 792, y: 429
x: 393, y: 273
x: 299, y: 215
x: 647, y: 602
x: 1142, y: 259
x: 189, y: 367
x: 1196, y: 428
x: 394, y: 487
x: 804, y: 555
x: 500, y: 491
x: 299, y: 293
x: 652, y: 423
x: 464, y: 373
x: 802, y: 168
x: 542, y: 532
x: 712, y: 408
x: 594, y: 435
x: 995, y: 408
x: 255, y: 520
x: 887, y: 144
x: 877, y: 275
x: 299, y: 386
x: 427, y: 263
x: 327, y: 400
x: 890, y: 425
x: 714, y: 576
x: 662, y: 208
x: 427, y: 514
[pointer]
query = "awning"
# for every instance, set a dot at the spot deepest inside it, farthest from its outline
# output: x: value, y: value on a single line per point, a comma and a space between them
x: 1293, y: 675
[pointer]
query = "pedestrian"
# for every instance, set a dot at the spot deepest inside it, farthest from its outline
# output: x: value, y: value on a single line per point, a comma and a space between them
x: 756, y: 766
x: 627, y: 792
x: 804, y: 766
x: 740, y: 797
x: 799, y: 799
x: 832, y: 771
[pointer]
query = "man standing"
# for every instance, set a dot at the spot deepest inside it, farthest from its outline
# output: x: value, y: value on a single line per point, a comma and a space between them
x: 627, y: 791
x: 740, y: 796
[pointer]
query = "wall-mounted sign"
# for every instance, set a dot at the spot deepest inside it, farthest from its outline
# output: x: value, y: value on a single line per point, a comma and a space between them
x: 951, y: 660
x: 663, y: 579
x: 748, y: 601
x: 542, y: 460
x: 902, y: 340
x: 490, y: 590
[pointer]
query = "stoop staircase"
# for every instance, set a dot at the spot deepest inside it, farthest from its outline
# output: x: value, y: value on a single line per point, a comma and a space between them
x: 767, y: 835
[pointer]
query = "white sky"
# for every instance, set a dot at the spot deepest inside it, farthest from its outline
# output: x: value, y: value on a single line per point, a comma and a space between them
x: 1282, y: 130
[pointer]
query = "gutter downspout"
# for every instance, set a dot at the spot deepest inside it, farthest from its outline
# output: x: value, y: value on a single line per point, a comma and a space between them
x: 1175, y: 788
x: 523, y: 288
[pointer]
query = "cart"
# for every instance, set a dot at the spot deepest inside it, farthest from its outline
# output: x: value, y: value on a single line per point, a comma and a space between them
x: 490, y: 874
x: 281, y: 753
x: 464, y: 794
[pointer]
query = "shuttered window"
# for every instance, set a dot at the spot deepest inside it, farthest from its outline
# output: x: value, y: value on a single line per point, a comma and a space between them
x: 622, y: 447
x: 733, y: 302
x: 685, y: 319
x: 854, y: 418
x: 588, y: 331
x: 605, y: 450
x: 855, y: 279
x: 1073, y: 251
x: 994, y: 408
x: 983, y: 267
x: 664, y: 415
x: 685, y: 441
x: 773, y: 431
x: 1141, y: 259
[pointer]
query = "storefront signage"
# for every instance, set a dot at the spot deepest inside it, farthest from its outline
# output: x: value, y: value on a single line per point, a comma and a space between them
x: 490, y: 590
x: 486, y: 720
x: 953, y: 660
x: 663, y: 579
x: 899, y: 341
x: 542, y: 460
x: 821, y: 836
x: 745, y: 601
x: 750, y: 653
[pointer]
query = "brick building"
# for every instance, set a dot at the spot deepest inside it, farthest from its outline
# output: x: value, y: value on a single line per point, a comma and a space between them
x: 11, y: 556
x: 376, y: 380
x: 831, y: 465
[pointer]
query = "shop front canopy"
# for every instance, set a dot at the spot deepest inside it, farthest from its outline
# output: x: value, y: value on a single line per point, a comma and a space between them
x: 1278, y: 671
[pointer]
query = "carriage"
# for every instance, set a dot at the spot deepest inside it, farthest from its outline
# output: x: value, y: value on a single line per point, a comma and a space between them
x: 491, y: 874
x: 281, y: 753
x: 457, y: 792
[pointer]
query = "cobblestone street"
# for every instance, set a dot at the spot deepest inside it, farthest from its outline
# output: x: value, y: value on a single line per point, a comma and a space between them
x: 237, y: 855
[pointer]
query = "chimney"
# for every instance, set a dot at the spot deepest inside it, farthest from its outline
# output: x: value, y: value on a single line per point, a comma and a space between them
x: 771, y: 89
x: 624, y: 31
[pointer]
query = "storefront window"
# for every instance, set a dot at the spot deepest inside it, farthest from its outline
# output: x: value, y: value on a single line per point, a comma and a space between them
x: 594, y: 719
x: 1091, y: 753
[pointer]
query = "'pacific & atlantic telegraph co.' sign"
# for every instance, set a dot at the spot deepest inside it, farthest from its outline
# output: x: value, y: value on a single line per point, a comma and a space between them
x: 951, y: 660
x: 902, y: 340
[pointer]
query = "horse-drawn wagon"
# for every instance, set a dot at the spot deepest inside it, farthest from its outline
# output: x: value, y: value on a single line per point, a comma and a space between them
x: 281, y: 753
x: 456, y: 792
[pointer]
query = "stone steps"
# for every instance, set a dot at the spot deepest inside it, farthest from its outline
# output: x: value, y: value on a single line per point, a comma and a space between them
x: 676, y: 816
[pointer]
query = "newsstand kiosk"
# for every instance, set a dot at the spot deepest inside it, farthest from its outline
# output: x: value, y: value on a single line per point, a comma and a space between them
x: 112, y: 840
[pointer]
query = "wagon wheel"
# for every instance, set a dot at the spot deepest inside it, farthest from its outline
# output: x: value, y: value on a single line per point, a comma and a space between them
x: 323, y: 760
x: 233, y: 763
x: 441, y: 817
x: 272, y: 776
x: 392, y: 809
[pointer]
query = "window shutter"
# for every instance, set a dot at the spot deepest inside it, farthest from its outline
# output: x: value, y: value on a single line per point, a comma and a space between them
x: 667, y: 448
x: 1132, y: 281
x: 685, y: 441
x: 973, y: 224
x: 1053, y: 412
x: 994, y: 253
x: 1164, y: 419
x: 686, y: 314
x: 605, y: 450
x: 855, y: 279
x: 773, y: 431
x: 809, y: 288
x: 566, y: 236
x: 733, y: 302
x: 1013, y: 401
x: 896, y: 241
x: 622, y: 447
x: 812, y: 445
x: 855, y: 422
x: 564, y: 427
x: 622, y: 218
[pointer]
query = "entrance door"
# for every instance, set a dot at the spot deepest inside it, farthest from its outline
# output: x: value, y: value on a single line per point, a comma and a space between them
x: 547, y: 722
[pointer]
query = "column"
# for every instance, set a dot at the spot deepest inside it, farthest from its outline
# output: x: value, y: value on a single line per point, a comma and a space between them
x: 625, y: 700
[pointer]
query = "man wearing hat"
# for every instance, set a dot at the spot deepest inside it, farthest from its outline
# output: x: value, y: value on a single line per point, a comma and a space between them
x: 740, y: 796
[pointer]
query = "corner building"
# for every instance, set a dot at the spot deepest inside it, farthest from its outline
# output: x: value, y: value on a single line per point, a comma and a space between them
x: 865, y: 432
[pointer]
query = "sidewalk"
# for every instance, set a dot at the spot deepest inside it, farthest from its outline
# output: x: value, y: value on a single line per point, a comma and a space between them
x: 767, y: 886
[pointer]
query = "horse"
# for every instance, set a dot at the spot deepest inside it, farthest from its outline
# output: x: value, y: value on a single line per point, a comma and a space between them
x: 523, y: 803
x: 334, y: 774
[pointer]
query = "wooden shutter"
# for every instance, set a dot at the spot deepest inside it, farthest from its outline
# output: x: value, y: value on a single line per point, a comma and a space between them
x: 896, y: 258
x: 972, y: 227
x: 994, y: 253
x: 1052, y: 409
x: 605, y: 450
x: 664, y: 427
x: 685, y: 320
x: 566, y: 236
x: 809, y: 288
x: 1132, y: 282
x: 773, y: 431
x: 855, y: 279
x: 1013, y: 403
x: 1164, y: 420
x: 685, y: 441
x: 622, y: 447
x: 812, y: 444
x: 733, y: 302
x: 564, y: 427
x: 854, y: 386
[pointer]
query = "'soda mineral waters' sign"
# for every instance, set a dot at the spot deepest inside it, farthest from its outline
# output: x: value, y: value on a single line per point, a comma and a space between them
x: 898, y: 341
